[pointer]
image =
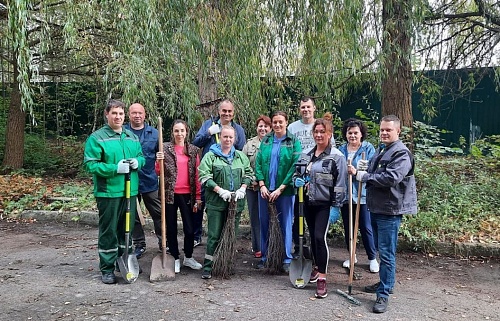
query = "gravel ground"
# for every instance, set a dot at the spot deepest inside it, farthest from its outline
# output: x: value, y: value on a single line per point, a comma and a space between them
x: 49, y: 271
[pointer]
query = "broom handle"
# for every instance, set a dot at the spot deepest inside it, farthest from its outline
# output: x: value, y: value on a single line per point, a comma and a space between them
x: 358, y: 205
x: 351, y: 245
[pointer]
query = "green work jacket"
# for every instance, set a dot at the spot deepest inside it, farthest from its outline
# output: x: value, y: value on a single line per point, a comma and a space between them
x: 103, y: 150
x: 216, y: 171
x: 290, y: 150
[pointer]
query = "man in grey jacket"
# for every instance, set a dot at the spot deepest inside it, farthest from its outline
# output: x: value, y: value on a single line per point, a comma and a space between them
x: 391, y: 193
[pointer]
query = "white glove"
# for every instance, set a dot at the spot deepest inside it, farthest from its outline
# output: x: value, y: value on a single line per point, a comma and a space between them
x: 123, y: 167
x: 214, y: 129
x: 362, y: 165
x: 133, y: 163
x: 360, y: 174
x: 240, y: 193
x: 224, y: 194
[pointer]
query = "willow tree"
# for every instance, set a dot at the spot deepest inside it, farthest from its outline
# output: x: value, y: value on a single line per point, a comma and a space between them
x: 175, y: 56
x: 396, y: 63
x: 33, y: 47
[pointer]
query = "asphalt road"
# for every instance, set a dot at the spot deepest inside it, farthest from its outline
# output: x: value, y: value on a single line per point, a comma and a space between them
x: 49, y: 271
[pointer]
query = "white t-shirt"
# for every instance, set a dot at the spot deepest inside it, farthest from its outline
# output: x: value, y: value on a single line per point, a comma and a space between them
x: 304, y: 133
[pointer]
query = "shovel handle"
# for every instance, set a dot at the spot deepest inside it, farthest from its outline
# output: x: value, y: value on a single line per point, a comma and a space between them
x: 162, y: 192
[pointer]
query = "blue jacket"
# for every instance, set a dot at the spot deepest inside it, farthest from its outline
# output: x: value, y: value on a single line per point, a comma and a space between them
x: 390, y: 183
x: 369, y: 151
x: 148, y: 180
x: 204, y: 140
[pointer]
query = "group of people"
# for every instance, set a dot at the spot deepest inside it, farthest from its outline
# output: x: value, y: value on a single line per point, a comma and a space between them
x: 220, y: 166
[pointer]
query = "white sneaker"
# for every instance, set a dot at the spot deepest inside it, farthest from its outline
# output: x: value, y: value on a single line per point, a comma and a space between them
x: 374, y: 267
x: 347, y: 263
x: 177, y: 267
x: 191, y: 262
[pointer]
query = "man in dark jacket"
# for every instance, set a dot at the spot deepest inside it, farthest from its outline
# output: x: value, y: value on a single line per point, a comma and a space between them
x: 148, y: 180
x: 208, y: 135
x: 391, y: 193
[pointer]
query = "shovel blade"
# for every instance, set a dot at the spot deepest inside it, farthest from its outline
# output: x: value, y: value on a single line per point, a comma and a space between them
x: 300, y: 272
x: 162, y: 268
x: 129, y: 268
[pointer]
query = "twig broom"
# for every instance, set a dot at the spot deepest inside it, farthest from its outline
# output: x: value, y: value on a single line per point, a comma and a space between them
x: 225, y: 252
x: 276, y: 245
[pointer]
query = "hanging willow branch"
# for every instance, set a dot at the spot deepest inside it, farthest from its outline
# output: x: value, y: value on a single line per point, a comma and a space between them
x: 18, y: 17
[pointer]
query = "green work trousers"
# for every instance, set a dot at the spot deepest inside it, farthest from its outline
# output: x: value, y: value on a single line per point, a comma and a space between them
x: 112, y: 219
x: 215, y: 224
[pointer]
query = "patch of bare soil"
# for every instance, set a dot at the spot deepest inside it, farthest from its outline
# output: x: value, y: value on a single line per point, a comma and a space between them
x: 49, y: 271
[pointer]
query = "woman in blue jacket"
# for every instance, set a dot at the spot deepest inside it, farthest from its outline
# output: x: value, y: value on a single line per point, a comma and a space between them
x: 354, y: 133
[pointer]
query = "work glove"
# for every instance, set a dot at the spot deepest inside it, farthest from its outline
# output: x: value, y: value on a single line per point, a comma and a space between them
x: 299, y: 182
x: 224, y: 194
x: 240, y: 193
x: 133, y: 163
x: 359, y: 175
x: 214, y: 129
x: 362, y: 165
x: 123, y: 167
x: 334, y: 214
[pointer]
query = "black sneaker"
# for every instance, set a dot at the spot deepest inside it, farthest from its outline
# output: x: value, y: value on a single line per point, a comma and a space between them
x: 285, y: 268
x: 260, y: 265
x: 373, y: 288
x: 108, y: 278
x: 206, y: 275
x: 139, y: 251
x: 380, y: 305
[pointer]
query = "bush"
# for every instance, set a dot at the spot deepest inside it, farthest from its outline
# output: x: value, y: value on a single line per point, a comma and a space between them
x: 457, y: 197
x: 61, y: 157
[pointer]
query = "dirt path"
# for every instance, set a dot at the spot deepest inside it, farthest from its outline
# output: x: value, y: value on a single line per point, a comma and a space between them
x: 49, y: 271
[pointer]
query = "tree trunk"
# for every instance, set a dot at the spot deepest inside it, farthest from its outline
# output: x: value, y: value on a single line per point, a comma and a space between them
x: 397, y: 79
x: 14, y: 133
x: 207, y: 91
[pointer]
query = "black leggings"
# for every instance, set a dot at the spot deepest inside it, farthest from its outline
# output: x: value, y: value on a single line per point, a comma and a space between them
x: 317, y: 220
x: 183, y: 203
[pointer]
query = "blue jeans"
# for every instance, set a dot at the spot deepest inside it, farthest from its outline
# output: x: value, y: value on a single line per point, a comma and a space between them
x: 284, y: 205
x: 253, y: 211
x: 385, y: 233
x: 365, y: 227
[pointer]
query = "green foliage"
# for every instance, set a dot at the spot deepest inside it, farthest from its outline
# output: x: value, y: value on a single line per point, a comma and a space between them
x: 82, y: 193
x: 31, y: 201
x: 430, y: 92
x: 456, y: 197
x: 80, y: 198
x: 37, y: 157
x: 59, y: 157
x: 427, y: 140
x: 487, y: 148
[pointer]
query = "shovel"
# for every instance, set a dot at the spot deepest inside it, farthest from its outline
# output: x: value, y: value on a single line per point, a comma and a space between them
x: 128, y: 264
x: 301, y: 267
x: 163, y: 266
